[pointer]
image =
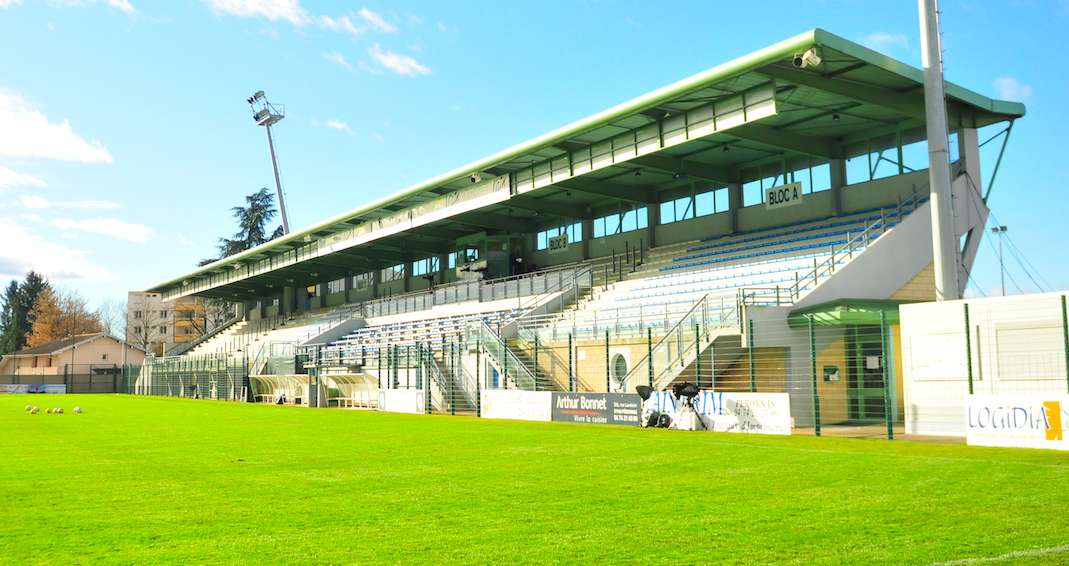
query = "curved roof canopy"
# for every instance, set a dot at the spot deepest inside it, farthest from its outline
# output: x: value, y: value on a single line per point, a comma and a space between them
x: 847, y: 104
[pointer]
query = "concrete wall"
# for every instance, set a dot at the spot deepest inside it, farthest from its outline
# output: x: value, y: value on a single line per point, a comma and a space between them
x: 1017, y: 348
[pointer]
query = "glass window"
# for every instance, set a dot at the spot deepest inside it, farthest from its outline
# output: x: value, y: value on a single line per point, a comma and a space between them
x: 704, y: 203
x: 425, y: 266
x: 394, y: 273
x: 362, y: 281
x: 620, y: 222
x: 574, y: 232
x: 336, y: 286
x: 752, y: 193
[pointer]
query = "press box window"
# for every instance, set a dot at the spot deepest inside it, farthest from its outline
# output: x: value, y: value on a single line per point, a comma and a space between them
x: 425, y: 266
x: 471, y: 254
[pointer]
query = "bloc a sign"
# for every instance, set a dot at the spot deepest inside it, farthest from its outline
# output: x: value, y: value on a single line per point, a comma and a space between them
x: 558, y: 243
x: 783, y: 196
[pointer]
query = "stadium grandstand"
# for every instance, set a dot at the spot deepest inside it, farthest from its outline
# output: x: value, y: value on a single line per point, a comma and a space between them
x: 753, y: 227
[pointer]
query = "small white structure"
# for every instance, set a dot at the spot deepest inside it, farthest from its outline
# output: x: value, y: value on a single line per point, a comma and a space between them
x: 1011, y: 346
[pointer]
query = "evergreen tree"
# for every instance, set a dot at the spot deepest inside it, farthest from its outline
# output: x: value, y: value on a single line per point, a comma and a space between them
x: 31, y: 289
x: 253, y: 219
x: 9, y: 306
x: 16, y: 314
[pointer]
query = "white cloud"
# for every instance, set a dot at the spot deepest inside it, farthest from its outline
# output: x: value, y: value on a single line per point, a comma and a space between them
x: 339, y: 126
x: 365, y: 67
x: 273, y: 10
x: 9, y: 3
x: 338, y: 59
x: 377, y: 137
x: 376, y: 21
x: 123, y: 6
x: 24, y: 250
x: 396, y: 63
x: 111, y: 227
x: 40, y: 203
x: 341, y: 23
x: 885, y: 41
x: 361, y: 23
x: 441, y: 26
x: 9, y: 178
x: 1009, y: 88
x: 26, y: 132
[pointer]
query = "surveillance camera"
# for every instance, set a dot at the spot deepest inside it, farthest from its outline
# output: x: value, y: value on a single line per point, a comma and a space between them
x: 810, y: 58
x: 475, y: 178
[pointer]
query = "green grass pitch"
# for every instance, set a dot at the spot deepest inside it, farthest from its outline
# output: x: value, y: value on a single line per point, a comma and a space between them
x: 150, y: 480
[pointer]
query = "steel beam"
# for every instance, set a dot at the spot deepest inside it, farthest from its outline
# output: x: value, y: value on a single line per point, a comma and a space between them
x: 690, y: 168
x: 642, y: 195
x: 908, y: 104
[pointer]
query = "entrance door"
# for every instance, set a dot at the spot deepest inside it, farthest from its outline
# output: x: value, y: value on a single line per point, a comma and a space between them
x: 865, y: 386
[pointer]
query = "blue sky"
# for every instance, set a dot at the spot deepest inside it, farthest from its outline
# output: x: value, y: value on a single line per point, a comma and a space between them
x: 125, y: 137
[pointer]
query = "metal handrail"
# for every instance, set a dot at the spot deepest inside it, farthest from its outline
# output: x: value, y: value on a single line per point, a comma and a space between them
x: 507, y: 360
x: 821, y: 270
x: 702, y: 304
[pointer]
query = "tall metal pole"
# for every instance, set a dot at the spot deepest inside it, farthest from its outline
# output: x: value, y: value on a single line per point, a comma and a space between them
x: 944, y: 246
x: 1001, y: 265
x: 1001, y: 231
x: 278, y: 182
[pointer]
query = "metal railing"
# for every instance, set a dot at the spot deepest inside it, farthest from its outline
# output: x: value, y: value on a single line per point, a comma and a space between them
x: 673, y: 351
x: 822, y: 269
x: 514, y: 286
x: 511, y: 367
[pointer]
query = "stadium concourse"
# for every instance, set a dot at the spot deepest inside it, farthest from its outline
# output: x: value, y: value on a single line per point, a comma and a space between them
x: 751, y: 229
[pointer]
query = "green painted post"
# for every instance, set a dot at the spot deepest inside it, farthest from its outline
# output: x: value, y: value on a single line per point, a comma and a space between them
x: 888, y: 407
x: 419, y: 365
x: 813, y: 376
x: 571, y: 367
x: 427, y: 400
x: 753, y: 370
x: 608, y: 378
x: 649, y: 354
x: 968, y: 348
x: 535, y: 369
x: 453, y: 352
x: 712, y: 366
x: 394, y: 362
x: 478, y: 377
x: 697, y: 356
x: 1065, y: 342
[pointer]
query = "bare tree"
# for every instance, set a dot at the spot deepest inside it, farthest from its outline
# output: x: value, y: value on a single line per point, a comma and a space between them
x: 112, y: 314
x: 216, y: 313
x: 146, y: 328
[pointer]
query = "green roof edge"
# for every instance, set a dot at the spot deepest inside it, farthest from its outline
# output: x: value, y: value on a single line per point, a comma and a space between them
x: 778, y: 50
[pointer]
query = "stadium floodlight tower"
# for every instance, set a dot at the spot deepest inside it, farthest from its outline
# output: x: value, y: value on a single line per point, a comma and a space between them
x: 944, y: 244
x: 267, y: 115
